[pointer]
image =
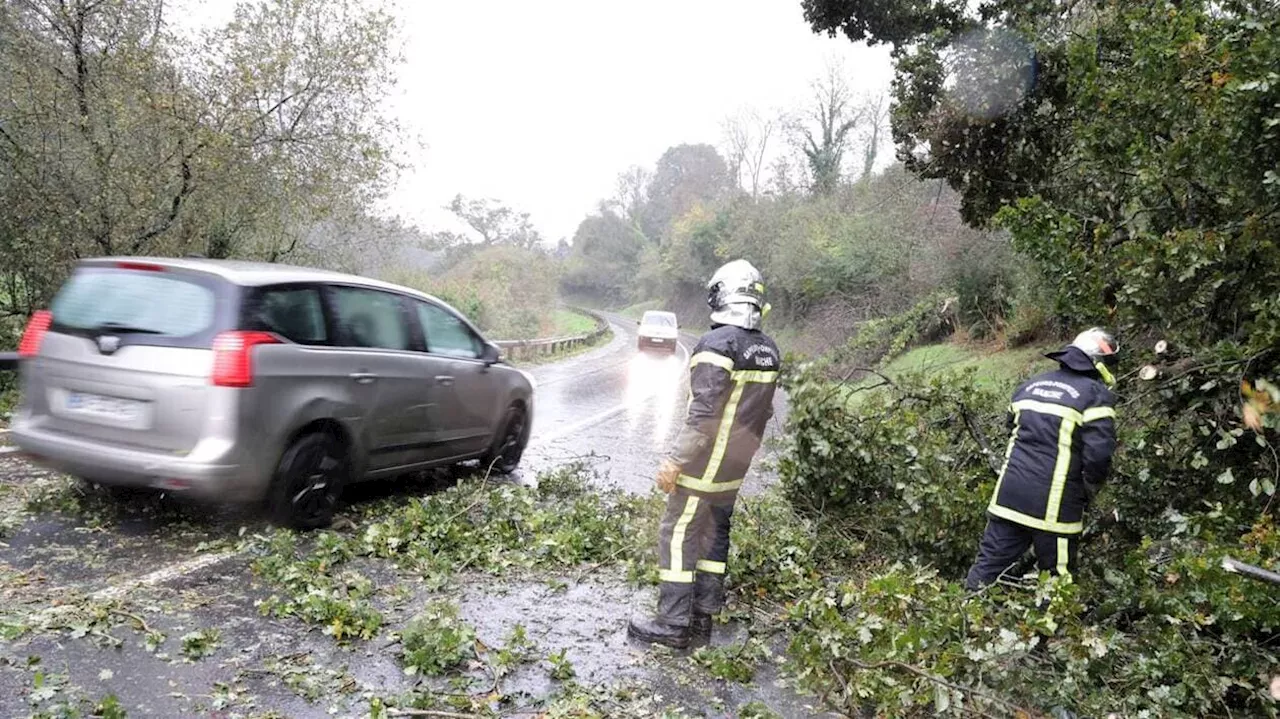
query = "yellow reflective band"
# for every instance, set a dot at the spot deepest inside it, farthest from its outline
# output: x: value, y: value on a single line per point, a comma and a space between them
x: 677, y: 535
x: 753, y: 375
x: 712, y: 358
x: 703, y: 485
x: 1065, y: 433
x: 1008, y: 452
x: 1027, y: 520
x: 1057, y: 410
x: 1097, y: 413
x: 710, y: 567
x: 722, y: 437
x: 1064, y: 545
x: 1107, y: 378
x: 675, y: 575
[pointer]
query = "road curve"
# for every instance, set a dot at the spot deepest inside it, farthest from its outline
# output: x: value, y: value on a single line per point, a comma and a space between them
x: 618, y: 409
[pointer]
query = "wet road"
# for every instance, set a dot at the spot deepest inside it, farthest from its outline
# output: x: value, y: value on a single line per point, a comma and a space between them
x: 176, y: 573
x: 618, y: 409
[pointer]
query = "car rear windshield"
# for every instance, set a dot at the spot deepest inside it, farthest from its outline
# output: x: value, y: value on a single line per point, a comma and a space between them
x: 660, y: 319
x: 158, y: 304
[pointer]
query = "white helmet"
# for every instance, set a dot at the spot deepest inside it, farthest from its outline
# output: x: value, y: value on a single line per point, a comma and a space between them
x: 1099, y: 344
x: 1102, y: 349
x: 735, y: 295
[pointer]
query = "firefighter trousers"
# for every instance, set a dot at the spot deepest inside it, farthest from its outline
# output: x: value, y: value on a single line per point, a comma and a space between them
x: 693, y: 551
x: 1004, y: 542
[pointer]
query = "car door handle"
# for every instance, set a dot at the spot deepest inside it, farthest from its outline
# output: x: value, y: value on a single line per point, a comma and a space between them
x: 363, y: 377
x: 445, y: 380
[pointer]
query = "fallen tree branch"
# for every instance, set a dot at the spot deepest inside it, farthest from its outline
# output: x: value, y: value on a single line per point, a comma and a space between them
x: 976, y: 433
x: 923, y: 674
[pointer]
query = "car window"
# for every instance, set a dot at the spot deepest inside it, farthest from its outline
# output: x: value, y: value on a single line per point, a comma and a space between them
x: 155, y: 303
x: 447, y: 334
x: 295, y: 313
x: 369, y: 318
x: 659, y: 319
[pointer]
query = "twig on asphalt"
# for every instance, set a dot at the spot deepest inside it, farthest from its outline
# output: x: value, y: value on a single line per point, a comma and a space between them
x: 430, y: 713
x: 586, y: 572
x: 130, y: 615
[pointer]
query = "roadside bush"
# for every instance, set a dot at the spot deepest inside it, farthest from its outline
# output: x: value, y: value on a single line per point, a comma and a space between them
x: 510, y: 292
x: 986, y: 279
x: 880, y: 340
x: 919, y: 452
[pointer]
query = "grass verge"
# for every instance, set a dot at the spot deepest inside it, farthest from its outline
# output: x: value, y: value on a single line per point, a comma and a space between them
x: 569, y: 323
x: 999, y: 370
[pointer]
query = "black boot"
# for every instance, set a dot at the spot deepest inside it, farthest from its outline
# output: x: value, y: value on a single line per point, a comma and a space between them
x: 670, y: 626
x: 654, y: 630
x: 700, y: 628
x: 708, y: 593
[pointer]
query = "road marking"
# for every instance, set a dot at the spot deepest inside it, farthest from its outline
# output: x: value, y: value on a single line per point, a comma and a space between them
x: 599, y: 416
x: 9, y: 450
x: 164, y: 574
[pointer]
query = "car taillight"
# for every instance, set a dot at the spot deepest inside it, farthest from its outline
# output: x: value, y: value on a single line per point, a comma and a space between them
x: 233, y: 357
x: 33, y: 336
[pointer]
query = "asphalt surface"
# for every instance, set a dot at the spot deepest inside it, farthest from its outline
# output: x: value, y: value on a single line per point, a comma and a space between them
x: 618, y: 409
x: 173, y: 570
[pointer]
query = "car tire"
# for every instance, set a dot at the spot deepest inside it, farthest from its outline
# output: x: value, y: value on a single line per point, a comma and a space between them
x: 505, y: 455
x: 308, y: 481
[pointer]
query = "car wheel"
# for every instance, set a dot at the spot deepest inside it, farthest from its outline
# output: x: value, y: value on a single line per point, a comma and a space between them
x: 505, y: 456
x: 308, y: 481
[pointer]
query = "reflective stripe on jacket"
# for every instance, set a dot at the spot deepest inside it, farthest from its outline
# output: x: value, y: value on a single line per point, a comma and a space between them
x: 1063, y: 436
x: 732, y: 376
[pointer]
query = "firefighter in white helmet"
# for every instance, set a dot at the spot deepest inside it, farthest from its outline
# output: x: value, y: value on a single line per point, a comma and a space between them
x: 732, y: 376
x: 1063, y: 435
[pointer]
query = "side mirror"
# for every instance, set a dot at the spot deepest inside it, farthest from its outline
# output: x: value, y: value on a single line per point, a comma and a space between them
x: 492, y: 354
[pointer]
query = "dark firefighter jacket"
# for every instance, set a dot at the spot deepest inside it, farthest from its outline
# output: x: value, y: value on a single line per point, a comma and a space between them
x: 1063, y: 435
x: 732, y: 376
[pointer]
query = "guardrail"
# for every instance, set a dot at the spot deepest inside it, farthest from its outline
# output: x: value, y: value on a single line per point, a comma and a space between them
x: 516, y: 349
x: 513, y: 348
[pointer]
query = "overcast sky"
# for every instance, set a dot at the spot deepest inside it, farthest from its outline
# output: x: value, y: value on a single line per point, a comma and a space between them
x: 542, y: 104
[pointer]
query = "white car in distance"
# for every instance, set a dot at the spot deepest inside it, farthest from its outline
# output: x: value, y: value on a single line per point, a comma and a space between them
x: 659, y: 331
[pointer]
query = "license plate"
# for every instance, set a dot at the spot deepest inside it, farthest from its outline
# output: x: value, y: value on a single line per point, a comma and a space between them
x: 656, y: 340
x: 113, y: 408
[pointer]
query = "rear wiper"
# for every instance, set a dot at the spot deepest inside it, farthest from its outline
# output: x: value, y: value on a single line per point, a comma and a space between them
x: 120, y: 328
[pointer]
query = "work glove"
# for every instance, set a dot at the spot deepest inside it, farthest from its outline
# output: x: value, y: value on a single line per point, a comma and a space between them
x: 668, y: 473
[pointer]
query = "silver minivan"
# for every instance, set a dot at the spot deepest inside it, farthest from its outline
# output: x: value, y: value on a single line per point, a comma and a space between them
x: 243, y: 382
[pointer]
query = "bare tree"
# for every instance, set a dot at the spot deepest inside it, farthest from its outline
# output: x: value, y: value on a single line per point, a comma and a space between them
x: 875, y: 113
x: 747, y: 136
